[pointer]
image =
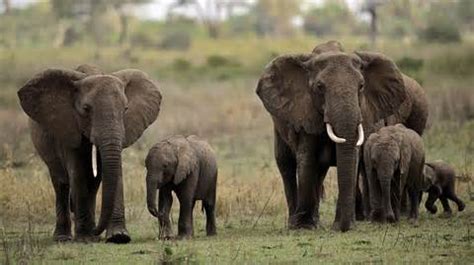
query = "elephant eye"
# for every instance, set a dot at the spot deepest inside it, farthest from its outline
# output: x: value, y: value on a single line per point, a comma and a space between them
x: 126, y: 109
x: 320, y: 86
x: 87, y: 108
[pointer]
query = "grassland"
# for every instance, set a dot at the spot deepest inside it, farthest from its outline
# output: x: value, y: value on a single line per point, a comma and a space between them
x: 209, y: 91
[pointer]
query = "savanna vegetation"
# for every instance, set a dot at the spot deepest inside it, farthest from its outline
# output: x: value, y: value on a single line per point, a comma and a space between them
x: 208, y: 77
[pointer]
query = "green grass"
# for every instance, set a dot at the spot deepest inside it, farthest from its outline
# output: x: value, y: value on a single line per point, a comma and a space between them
x: 251, y: 240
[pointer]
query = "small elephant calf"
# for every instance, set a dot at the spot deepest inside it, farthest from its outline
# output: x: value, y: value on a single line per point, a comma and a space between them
x: 187, y: 166
x: 440, y: 179
x: 394, y: 158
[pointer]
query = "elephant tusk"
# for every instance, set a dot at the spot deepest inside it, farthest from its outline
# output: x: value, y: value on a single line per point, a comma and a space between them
x: 360, y: 130
x: 333, y: 137
x: 94, y: 160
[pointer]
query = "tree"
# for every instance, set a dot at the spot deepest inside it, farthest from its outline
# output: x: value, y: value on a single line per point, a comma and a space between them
x: 6, y: 7
x: 329, y: 19
x: 274, y: 17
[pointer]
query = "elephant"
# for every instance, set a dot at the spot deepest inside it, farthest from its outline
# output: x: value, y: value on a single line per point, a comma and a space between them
x: 321, y: 103
x: 80, y: 122
x: 394, y: 158
x: 187, y: 166
x: 440, y: 180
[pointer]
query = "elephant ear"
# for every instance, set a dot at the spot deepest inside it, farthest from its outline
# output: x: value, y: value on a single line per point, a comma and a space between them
x: 144, y: 101
x: 48, y: 99
x: 187, y: 161
x: 284, y: 90
x: 384, y: 88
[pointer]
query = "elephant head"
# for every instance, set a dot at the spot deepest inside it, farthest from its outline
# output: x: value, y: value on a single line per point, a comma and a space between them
x: 337, y: 92
x: 170, y: 161
x: 84, y: 106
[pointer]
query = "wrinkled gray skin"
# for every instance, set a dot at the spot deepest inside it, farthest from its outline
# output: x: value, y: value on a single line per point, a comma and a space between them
x: 303, y: 93
x: 72, y: 110
x: 440, y: 180
x: 187, y: 166
x: 394, y: 158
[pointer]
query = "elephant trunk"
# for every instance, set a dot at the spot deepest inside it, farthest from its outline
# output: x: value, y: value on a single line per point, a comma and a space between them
x: 347, y: 160
x: 111, y: 165
x: 151, y: 190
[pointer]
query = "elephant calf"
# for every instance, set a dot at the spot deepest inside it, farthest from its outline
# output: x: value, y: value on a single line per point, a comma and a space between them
x: 187, y: 166
x: 394, y: 160
x: 440, y: 177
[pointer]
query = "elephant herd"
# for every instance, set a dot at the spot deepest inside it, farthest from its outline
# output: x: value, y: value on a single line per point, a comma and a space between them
x: 355, y: 111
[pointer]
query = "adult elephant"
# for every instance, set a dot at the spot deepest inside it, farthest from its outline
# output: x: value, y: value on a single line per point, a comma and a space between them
x: 320, y: 104
x: 80, y: 122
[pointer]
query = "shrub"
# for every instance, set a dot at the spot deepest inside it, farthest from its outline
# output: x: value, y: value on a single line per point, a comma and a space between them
x: 176, y: 40
x: 412, y: 67
x: 180, y: 64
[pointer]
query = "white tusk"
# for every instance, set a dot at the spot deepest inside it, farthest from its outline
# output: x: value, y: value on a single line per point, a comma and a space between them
x: 94, y: 160
x: 360, y: 130
x: 333, y: 136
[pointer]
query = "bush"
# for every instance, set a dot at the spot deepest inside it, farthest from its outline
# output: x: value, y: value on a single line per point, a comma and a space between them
x: 181, y: 64
x: 219, y: 61
x: 412, y: 67
x: 443, y: 32
x: 458, y: 62
x: 176, y: 40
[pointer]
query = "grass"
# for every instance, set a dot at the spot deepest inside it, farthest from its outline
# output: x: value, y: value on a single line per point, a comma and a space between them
x: 218, y: 102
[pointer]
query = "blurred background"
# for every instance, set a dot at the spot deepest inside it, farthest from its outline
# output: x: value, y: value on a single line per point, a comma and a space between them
x: 207, y: 56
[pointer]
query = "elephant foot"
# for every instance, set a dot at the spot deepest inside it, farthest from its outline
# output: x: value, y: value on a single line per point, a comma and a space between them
x: 461, y: 206
x: 414, y: 222
x: 184, y: 237
x: 432, y: 209
x: 86, y: 238
x: 336, y: 226
x: 360, y: 216
x: 447, y: 214
x: 211, y: 232
x: 61, y: 238
x: 300, y: 221
x: 166, y: 234
x: 391, y: 218
x: 117, y: 235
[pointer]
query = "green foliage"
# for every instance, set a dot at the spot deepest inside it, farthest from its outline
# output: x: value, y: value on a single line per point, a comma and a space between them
x: 181, y: 64
x: 412, y: 67
x: 332, y: 18
x: 457, y: 61
x: 176, y: 40
x: 442, y: 25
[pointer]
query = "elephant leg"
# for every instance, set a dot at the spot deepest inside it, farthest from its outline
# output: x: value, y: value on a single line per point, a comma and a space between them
x: 365, y: 193
x: 209, y: 207
x: 447, y: 209
x: 286, y: 163
x: 450, y: 194
x: 308, y: 175
x: 319, y: 189
x: 165, y: 201
x: 62, y: 232
x: 387, y: 211
x: 116, y: 229
x: 404, y: 203
x: 185, y: 222
x: 375, y: 198
x: 83, y: 214
x: 433, y: 195
x: 413, y: 194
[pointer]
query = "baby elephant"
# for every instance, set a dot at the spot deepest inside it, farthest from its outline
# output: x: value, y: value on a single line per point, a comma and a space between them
x: 394, y: 160
x: 440, y: 177
x: 187, y: 166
